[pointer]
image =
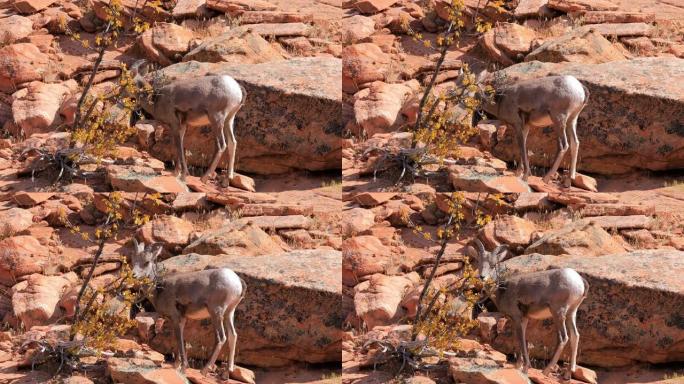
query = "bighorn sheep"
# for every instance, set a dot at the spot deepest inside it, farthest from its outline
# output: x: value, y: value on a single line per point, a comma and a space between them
x: 554, y: 293
x: 539, y: 103
x: 210, y: 293
x: 212, y: 100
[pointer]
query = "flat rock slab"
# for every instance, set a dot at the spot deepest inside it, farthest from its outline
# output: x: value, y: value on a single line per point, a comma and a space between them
x: 275, y: 29
x: 291, y: 312
x: 582, y: 5
x: 300, y: 129
x: 598, y: 17
x: 617, y: 209
x: 530, y: 7
x: 278, y: 222
x: 236, y: 7
x: 642, y: 130
x: 633, y: 313
x: 622, y: 222
x: 621, y: 29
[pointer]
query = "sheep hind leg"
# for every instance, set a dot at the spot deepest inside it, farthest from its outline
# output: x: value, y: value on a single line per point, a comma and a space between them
x: 217, y: 125
x: 229, y: 325
x: 571, y: 129
x: 571, y: 324
x: 559, y: 125
x: 559, y: 317
x: 229, y: 134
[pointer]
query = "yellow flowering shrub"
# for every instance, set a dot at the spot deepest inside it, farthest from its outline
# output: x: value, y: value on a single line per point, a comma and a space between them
x: 444, y: 118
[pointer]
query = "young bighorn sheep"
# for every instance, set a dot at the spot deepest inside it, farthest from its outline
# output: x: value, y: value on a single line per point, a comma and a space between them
x: 200, y: 101
x: 210, y: 293
x: 539, y: 103
x: 554, y: 293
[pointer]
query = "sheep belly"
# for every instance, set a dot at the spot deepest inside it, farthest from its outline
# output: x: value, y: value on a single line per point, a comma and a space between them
x: 540, y: 120
x: 197, y: 313
x: 539, y: 313
x: 197, y: 119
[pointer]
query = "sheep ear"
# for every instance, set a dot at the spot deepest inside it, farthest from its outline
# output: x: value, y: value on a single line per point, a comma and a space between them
x: 155, y: 250
x: 139, y: 247
x: 500, y: 253
x: 139, y: 68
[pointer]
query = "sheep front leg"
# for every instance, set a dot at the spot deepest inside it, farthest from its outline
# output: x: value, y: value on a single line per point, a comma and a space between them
x: 181, y: 357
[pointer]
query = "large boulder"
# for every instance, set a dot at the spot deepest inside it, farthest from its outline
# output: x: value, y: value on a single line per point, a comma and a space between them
x: 235, y: 239
x: 582, y: 46
x: 363, y: 256
x: 633, y: 313
x: 508, y: 42
x: 377, y: 300
x: 14, y: 220
x: 21, y: 63
x: 35, y: 300
x: 377, y: 108
x: 579, y: 239
x: 291, y: 118
x: 35, y: 108
x: 634, y: 119
x: 248, y: 48
x: 21, y: 256
x: 165, y: 43
x: 172, y: 231
x: 291, y: 311
x: 14, y: 28
x: 363, y: 63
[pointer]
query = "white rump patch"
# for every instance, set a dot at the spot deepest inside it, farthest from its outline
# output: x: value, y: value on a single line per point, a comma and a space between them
x: 575, y: 88
x: 233, y: 88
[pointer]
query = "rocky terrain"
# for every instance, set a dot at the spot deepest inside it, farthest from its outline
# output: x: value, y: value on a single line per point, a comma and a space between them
x: 278, y: 228
x: 619, y: 225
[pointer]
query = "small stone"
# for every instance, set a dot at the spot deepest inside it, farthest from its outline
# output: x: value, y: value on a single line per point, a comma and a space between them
x: 14, y: 220
x: 373, y: 6
x: 145, y: 133
x: 32, y: 6
x: 243, y: 182
x: 357, y: 220
x: 77, y: 380
x: 31, y: 199
x: 582, y: 5
x: 187, y: 201
x: 532, y: 201
x: 81, y: 191
x: 372, y: 199
x: 145, y: 322
x: 585, y: 374
x: 585, y: 182
x: 243, y: 374
x: 487, y: 135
